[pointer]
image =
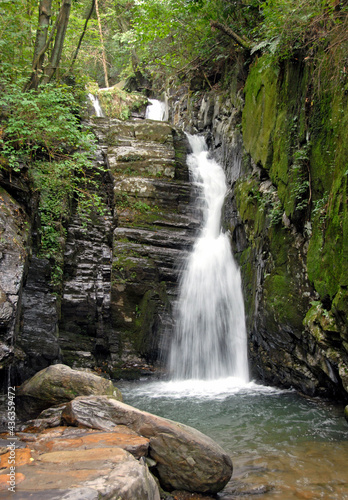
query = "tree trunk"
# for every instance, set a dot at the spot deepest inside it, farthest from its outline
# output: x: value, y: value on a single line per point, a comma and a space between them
x: 63, y: 20
x: 40, y: 43
x: 102, y: 44
x: 82, y: 35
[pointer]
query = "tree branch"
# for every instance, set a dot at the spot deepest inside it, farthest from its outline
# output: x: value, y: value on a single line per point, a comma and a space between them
x: 246, y: 44
x: 82, y: 35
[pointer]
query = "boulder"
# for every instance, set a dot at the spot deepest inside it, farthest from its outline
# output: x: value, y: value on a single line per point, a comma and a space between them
x: 59, y: 384
x: 185, y: 458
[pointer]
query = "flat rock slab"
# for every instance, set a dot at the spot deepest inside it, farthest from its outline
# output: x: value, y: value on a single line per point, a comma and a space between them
x: 185, y: 458
x: 125, y: 439
x: 77, y: 464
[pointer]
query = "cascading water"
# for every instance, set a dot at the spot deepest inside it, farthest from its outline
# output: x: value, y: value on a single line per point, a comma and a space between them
x: 156, y: 110
x: 302, y: 445
x: 97, y: 108
x: 210, y: 336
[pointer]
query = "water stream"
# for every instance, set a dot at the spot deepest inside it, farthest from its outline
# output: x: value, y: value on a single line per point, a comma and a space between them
x: 283, y: 446
x: 210, y: 336
x: 96, y: 105
x: 156, y: 110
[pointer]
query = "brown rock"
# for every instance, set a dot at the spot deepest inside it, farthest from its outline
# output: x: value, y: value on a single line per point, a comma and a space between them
x: 129, y: 441
x: 20, y: 456
x: 186, y: 458
x: 79, y: 464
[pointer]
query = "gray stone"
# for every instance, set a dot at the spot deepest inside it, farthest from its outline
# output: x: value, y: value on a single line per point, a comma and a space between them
x: 186, y: 458
x: 58, y: 384
x: 14, y: 240
x: 129, y: 480
x: 38, y: 337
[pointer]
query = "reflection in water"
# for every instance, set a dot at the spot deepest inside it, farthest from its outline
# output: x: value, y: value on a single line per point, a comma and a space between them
x: 295, y: 447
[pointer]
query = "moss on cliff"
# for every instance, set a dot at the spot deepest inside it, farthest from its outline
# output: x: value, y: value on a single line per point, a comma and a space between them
x: 261, y: 98
x: 328, y: 249
x: 299, y: 142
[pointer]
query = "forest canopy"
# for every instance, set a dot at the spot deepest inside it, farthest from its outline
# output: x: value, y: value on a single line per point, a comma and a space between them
x: 109, y: 40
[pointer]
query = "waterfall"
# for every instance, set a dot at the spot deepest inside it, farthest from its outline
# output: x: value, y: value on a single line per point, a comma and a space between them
x: 209, y: 340
x: 156, y: 110
x: 97, y: 108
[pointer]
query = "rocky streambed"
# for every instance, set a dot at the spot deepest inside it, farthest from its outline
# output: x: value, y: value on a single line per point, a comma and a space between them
x: 94, y: 446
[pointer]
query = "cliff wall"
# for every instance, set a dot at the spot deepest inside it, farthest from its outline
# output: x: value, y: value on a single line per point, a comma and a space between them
x: 284, y: 149
x: 119, y: 264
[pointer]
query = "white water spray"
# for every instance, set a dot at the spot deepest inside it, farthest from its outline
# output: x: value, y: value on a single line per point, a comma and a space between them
x: 156, y: 110
x: 210, y: 335
x: 96, y: 105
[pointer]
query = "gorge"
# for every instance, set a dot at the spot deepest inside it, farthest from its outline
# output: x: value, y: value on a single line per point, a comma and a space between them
x: 114, y: 310
x: 225, y: 310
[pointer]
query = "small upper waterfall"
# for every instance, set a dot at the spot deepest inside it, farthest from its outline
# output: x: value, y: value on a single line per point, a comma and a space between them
x: 156, y: 110
x: 97, y: 108
x: 209, y: 341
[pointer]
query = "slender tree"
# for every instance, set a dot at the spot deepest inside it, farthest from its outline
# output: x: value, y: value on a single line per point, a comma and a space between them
x: 102, y: 45
x: 62, y: 24
x: 42, y: 42
x: 91, y: 10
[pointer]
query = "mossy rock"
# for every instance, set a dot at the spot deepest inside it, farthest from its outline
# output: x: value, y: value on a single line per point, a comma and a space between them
x: 117, y: 103
x: 259, y: 113
x: 58, y: 384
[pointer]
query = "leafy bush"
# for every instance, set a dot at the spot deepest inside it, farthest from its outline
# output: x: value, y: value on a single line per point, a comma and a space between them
x: 42, y: 131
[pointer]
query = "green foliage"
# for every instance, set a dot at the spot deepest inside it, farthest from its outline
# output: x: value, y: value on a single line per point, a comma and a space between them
x: 41, y: 130
x: 276, y: 213
x: 268, y: 202
x: 316, y: 29
x: 320, y: 208
x: 141, y: 206
x: 17, y: 29
x: 40, y: 124
x: 299, y: 174
x: 174, y: 37
x: 117, y: 103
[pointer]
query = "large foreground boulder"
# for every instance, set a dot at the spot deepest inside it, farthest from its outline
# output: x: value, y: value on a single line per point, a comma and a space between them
x: 185, y: 458
x: 59, y: 384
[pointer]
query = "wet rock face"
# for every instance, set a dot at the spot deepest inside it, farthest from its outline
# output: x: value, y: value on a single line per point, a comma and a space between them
x: 120, y: 266
x: 14, y: 240
x: 155, y: 226
x: 85, y: 322
x: 37, y: 338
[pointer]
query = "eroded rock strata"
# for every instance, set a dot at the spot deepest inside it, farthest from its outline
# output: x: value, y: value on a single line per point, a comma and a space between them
x: 120, y: 265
